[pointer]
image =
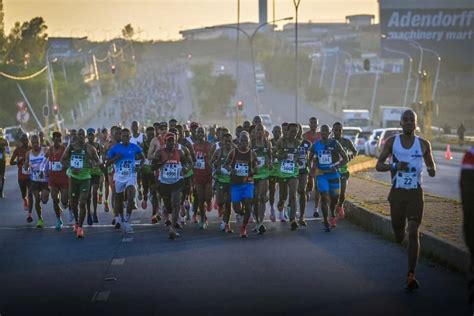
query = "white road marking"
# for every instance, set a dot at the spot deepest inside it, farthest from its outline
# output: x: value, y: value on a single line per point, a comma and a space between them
x: 129, y: 239
x: 102, y: 296
x: 118, y: 261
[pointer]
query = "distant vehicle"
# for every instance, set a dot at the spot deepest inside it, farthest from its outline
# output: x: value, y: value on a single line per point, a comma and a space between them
x: 386, y: 134
x: 360, y: 118
x: 371, y: 143
x: 305, y: 128
x: 266, y: 121
x: 351, y: 133
x: 260, y: 86
x: 391, y: 115
x: 12, y: 133
x: 361, y: 141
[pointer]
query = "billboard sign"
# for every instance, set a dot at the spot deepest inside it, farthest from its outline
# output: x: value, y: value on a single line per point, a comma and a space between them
x: 450, y: 32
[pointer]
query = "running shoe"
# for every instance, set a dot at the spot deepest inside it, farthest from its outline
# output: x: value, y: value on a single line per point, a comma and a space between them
x: 261, y: 229
x: 294, y: 225
x: 75, y: 227
x: 316, y: 213
x: 326, y: 227
x: 59, y: 224
x: 243, y: 231
x: 80, y: 232
x: 89, y: 220
x: 340, y: 212
x: 333, y: 222
x: 29, y: 218
x: 302, y: 222
x: 144, y: 204
x: 282, y: 217
x: 95, y: 218
x: 154, y: 219
x: 167, y: 223
x: 106, y: 206
x: 272, y: 214
x: 202, y: 225
x: 99, y: 200
x: 227, y: 229
x: 71, y: 216
x: 178, y: 226
x: 118, y: 223
x: 40, y: 223
x: 411, y: 283
x: 222, y: 226
x: 25, y: 204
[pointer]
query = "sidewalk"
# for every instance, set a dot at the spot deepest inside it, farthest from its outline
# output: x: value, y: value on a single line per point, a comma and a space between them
x: 442, y: 220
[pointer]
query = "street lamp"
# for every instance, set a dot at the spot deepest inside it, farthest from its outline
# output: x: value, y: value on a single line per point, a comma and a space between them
x: 296, y: 3
x: 250, y: 37
x: 437, y: 70
x: 349, y: 73
x: 409, y: 71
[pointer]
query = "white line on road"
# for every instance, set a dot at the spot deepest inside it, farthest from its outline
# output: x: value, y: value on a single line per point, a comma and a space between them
x: 118, y: 262
x: 128, y: 239
x: 101, y: 296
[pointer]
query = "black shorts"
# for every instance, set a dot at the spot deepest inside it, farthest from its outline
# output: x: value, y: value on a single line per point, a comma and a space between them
x: 38, y: 186
x: 95, y: 180
x: 167, y: 189
x: 405, y: 205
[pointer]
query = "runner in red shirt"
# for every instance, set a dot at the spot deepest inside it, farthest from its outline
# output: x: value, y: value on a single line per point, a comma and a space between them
x: 202, y: 175
x: 312, y: 136
x: 58, y: 180
x: 18, y: 158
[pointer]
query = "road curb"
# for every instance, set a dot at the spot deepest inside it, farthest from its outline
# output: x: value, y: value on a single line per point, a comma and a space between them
x: 363, y: 166
x: 432, y: 246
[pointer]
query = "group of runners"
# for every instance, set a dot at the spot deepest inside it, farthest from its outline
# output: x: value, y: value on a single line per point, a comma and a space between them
x: 185, y: 172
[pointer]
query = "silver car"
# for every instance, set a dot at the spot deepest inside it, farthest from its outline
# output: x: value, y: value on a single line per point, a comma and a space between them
x: 371, y: 143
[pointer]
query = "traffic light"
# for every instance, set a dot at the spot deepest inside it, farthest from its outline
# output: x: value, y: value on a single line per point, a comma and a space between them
x: 240, y: 105
x: 45, y: 111
x: 55, y: 110
x: 113, y: 68
x: 366, y: 64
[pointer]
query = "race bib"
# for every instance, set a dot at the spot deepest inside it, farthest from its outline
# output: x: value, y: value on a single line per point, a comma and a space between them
x: 290, y: 157
x: 302, y: 163
x: 324, y: 157
x: 56, y: 166
x: 241, y: 169
x: 77, y: 161
x: 200, y: 164
x: 224, y: 171
x: 261, y: 161
x: 137, y: 163
x: 287, y: 166
x: 36, y: 175
x: 407, y: 180
x: 25, y: 171
x: 171, y: 171
x: 125, y: 168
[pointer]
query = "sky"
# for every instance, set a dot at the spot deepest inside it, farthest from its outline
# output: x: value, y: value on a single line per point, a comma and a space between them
x: 163, y: 19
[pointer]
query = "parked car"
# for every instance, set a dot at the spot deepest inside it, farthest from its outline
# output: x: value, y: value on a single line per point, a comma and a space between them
x: 386, y: 134
x: 361, y: 141
x: 351, y: 133
x: 371, y: 143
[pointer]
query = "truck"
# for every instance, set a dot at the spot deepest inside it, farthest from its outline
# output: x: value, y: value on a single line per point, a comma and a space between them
x: 390, y: 115
x: 356, y: 118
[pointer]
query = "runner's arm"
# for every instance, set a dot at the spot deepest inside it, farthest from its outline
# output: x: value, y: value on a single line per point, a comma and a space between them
x: 13, y: 158
x: 381, y: 165
x: 342, y: 153
x: 229, y: 159
x: 352, y: 148
x: 66, y: 156
x: 428, y: 157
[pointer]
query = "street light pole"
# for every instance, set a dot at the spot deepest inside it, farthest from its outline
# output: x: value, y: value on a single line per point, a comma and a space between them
x: 296, y: 4
x: 348, y: 76
x: 435, y: 85
x: 409, y: 71
x: 237, y: 62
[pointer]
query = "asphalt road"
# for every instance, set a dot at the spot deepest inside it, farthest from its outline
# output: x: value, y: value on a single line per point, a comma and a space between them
x: 446, y: 181
x: 345, y: 272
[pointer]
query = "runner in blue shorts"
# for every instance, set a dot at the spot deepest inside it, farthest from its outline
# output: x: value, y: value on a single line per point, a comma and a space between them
x: 328, y: 156
x: 242, y: 163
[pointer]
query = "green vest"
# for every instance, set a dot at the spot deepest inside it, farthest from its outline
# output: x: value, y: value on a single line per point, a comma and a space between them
x: 262, y: 157
x: 79, y: 161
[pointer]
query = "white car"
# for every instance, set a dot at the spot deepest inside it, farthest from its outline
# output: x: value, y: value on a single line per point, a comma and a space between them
x: 386, y: 134
x: 371, y: 143
x: 266, y: 121
x: 351, y: 133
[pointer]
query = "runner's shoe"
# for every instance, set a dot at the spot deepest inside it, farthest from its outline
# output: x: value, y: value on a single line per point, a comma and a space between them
x: 332, y: 222
x: 59, y: 224
x: 272, y: 214
x: 294, y: 225
x: 74, y: 228
x: 261, y: 229
x: 154, y: 219
x: 144, y: 204
x: 40, y: 223
x: 106, y: 206
x: 411, y: 283
x: 326, y: 227
x: 90, y: 222
x: 29, y: 218
x: 227, y: 229
x: 80, y: 232
x: 302, y: 222
x: 316, y: 213
x: 340, y: 212
x: 25, y: 204
x: 95, y: 218
x: 118, y: 222
x: 222, y: 226
x: 243, y: 231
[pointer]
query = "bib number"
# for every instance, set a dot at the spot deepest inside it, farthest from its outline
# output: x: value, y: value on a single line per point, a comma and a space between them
x: 77, y: 162
x: 147, y: 162
x: 241, y: 169
x: 302, y: 163
x: 325, y: 157
x: 200, y: 164
x: 36, y: 175
x: 407, y: 180
x: 287, y: 167
x: 171, y: 172
x: 56, y: 166
x: 261, y: 161
x: 125, y: 168
x: 224, y: 171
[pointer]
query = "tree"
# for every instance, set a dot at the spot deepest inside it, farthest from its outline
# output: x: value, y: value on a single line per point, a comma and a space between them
x: 128, y: 31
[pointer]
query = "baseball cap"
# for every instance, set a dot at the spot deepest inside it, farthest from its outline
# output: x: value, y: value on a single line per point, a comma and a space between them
x: 90, y: 130
x: 194, y: 125
x: 169, y: 135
